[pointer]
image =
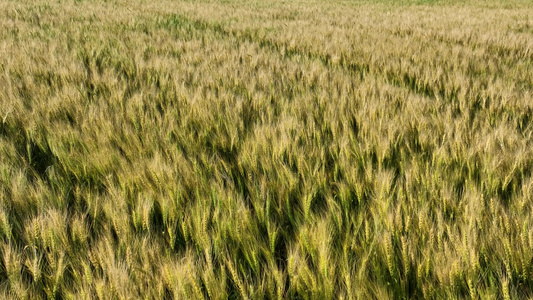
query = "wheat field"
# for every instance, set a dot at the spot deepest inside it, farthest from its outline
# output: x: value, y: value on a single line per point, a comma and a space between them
x: 266, y: 149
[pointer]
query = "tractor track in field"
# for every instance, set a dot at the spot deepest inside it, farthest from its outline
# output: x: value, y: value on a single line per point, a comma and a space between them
x: 361, y: 70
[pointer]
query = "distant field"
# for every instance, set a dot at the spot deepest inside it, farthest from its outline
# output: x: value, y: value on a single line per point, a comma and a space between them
x: 266, y: 149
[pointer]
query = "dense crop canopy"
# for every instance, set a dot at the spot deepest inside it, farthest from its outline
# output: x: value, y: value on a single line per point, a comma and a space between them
x: 266, y: 149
